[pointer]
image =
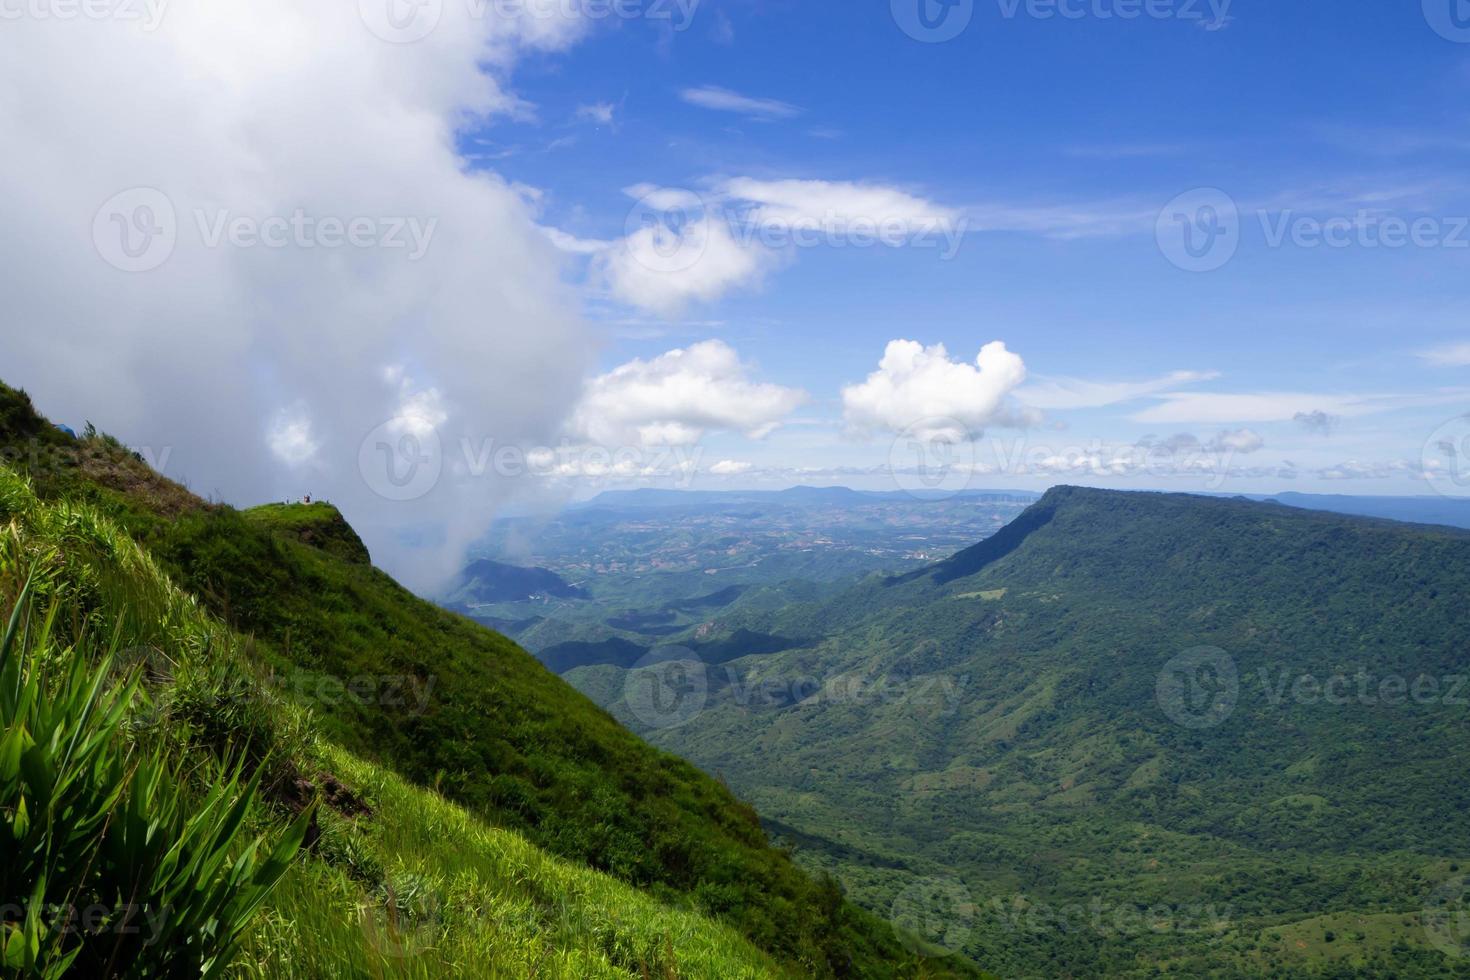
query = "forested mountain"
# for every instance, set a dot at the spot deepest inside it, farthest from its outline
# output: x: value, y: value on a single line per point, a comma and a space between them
x: 1251, y: 720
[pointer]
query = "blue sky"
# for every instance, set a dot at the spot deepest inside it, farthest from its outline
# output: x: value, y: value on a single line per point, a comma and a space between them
x: 1198, y: 248
x: 1076, y: 132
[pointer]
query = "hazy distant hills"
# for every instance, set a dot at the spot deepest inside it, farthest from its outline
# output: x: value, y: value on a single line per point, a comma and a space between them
x: 1123, y: 701
x: 795, y: 496
x: 1453, y: 512
x: 661, y: 564
x: 1415, y: 510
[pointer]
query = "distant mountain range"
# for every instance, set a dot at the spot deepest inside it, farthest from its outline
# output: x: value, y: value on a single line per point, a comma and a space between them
x: 1449, y: 511
x: 1250, y: 715
x: 1452, y: 512
x: 795, y: 496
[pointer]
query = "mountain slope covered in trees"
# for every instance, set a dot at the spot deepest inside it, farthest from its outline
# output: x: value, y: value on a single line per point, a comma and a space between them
x: 1247, y: 720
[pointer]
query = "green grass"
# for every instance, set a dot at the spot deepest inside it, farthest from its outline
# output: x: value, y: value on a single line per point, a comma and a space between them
x: 255, y: 628
x: 401, y: 883
x: 317, y: 524
x: 465, y: 893
x: 1349, y: 938
x: 989, y: 595
x: 111, y: 865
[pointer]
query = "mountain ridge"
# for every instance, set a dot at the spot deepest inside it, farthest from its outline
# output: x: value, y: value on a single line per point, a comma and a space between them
x: 1131, y: 698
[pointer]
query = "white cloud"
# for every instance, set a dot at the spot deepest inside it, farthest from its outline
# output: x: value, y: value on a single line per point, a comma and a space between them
x: 1066, y: 222
x: 1354, y: 469
x: 920, y: 390
x: 290, y: 438
x: 572, y: 244
x: 601, y: 113
x: 1072, y: 393
x: 1453, y: 355
x: 724, y: 100
x: 1228, y: 442
x: 257, y: 111
x: 724, y: 30
x: 1215, y: 408
x: 1319, y: 422
x: 835, y: 207
x: 1127, y: 151
x: 685, y: 247
x: 730, y: 467
x: 1210, y: 408
x: 662, y: 267
x: 1244, y: 441
x: 675, y: 398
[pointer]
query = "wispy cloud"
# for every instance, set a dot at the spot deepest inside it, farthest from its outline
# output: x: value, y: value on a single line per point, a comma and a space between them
x: 736, y: 231
x: 1400, y: 193
x: 1319, y: 422
x: 601, y: 113
x: 572, y: 244
x: 1126, y: 151
x: 724, y: 100
x: 834, y: 205
x: 1220, y: 408
x: 1073, y: 393
x: 1388, y: 141
x: 723, y: 31
x: 1095, y: 219
x: 1451, y: 355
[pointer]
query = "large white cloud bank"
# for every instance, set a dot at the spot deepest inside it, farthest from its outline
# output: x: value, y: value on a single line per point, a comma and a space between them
x: 241, y: 236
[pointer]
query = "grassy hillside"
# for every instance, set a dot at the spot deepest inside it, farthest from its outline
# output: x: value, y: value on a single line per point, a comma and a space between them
x: 449, y: 707
x: 319, y: 525
x: 395, y: 880
x: 1247, y: 720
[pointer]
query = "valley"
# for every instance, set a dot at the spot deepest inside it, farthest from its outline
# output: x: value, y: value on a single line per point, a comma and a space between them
x: 1126, y: 733
x: 651, y: 565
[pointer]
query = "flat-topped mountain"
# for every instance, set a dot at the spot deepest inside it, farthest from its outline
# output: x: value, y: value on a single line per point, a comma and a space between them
x: 1133, y: 700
